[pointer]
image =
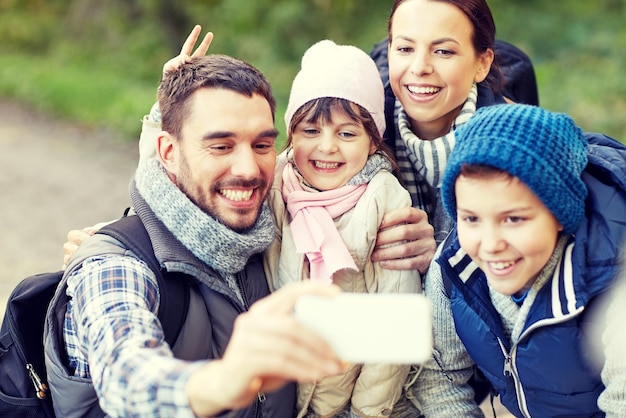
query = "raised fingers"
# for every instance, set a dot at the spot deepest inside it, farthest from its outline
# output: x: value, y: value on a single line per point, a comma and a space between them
x: 191, y: 41
x: 187, y: 48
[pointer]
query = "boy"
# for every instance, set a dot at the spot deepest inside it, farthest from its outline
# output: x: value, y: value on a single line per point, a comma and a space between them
x: 539, y: 208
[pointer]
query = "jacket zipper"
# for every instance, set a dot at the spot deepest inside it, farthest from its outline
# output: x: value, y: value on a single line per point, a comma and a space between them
x: 510, y: 368
x: 260, y: 401
x: 41, y: 389
x: 242, y: 291
x: 511, y: 371
x: 553, y: 321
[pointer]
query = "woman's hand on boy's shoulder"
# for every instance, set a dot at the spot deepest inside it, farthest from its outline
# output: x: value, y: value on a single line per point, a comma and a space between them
x: 405, y: 240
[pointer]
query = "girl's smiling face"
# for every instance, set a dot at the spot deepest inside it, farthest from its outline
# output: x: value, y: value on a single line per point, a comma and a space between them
x: 505, y: 229
x: 433, y: 63
x: 328, y: 153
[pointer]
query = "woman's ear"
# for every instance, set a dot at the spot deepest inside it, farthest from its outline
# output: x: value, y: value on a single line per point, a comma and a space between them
x: 484, y: 65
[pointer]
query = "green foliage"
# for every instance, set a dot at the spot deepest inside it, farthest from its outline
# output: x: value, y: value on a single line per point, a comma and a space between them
x: 579, y: 52
x: 99, y: 62
x: 20, y: 32
x: 90, y: 95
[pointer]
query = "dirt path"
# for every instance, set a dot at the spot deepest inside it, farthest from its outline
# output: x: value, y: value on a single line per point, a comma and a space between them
x: 55, y: 177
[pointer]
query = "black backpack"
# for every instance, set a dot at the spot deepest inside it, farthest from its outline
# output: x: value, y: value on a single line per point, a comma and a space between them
x: 23, y: 388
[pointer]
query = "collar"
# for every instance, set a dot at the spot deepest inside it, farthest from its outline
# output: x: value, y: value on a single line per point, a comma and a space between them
x: 561, y: 291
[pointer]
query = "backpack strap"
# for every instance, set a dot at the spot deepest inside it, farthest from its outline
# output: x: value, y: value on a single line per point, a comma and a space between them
x: 173, y: 288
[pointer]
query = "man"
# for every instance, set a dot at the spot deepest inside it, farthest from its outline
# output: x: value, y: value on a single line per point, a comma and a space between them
x: 202, y: 203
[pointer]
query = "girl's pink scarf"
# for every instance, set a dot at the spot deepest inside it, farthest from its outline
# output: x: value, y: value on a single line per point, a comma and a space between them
x: 312, y: 226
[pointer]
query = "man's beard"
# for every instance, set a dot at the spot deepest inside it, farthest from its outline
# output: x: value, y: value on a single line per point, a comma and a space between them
x: 201, y: 197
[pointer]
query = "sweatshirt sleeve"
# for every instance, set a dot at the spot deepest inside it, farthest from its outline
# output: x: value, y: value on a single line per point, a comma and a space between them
x: 386, y: 195
x: 271, y: 255
x: 114, y: 304
x: 440, y: 387
x: 613, y: 400
x: 150, y: 129
x: 379, y: 386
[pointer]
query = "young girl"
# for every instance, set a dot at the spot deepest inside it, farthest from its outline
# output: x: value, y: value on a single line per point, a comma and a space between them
x: 540, y: 232
x: 332, y: 187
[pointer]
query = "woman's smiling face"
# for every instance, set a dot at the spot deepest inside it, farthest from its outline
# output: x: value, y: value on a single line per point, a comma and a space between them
x: 433, y: 63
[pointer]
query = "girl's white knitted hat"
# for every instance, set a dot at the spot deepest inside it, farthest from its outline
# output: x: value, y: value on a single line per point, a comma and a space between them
x: 341, y: 71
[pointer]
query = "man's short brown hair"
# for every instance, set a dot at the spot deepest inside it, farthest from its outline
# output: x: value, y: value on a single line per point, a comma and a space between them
x: 211, y: 71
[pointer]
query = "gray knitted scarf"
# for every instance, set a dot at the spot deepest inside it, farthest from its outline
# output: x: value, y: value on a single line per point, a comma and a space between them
x: 225, y: 250
x: 423, y: 162
x: 373, y: 165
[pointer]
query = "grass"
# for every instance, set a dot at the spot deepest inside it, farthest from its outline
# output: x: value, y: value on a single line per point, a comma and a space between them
x: 70, y: 90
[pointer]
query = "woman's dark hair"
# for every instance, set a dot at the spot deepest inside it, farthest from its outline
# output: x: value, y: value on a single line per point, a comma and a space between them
x: 483, y: 34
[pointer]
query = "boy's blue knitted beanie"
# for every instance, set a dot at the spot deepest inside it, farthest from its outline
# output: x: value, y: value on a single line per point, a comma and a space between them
x: 545, y: 150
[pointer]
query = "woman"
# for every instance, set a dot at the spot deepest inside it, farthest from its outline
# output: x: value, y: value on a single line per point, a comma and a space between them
x: 441, y: 68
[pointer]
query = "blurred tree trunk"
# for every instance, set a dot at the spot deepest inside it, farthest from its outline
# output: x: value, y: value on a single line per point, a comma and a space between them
x: 174, y: 22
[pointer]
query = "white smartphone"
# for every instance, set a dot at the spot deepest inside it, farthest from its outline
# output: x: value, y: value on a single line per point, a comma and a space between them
x: 372, y: 328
